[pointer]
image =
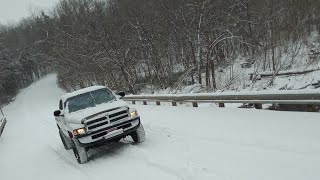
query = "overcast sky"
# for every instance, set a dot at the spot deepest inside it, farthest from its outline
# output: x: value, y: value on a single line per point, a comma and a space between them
x: 13, y: 10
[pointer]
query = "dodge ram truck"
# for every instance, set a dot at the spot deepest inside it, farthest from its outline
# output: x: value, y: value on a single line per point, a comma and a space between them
x: 95, y: 116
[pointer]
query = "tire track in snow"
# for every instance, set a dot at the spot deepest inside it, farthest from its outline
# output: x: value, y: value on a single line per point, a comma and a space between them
x: 186, y: 170
x: 254, y: 145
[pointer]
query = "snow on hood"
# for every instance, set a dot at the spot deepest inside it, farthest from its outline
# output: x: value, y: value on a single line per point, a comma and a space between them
x: 78, y: 116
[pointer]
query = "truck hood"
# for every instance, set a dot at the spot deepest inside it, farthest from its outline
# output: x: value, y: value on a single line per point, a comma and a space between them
x: 78, y: 116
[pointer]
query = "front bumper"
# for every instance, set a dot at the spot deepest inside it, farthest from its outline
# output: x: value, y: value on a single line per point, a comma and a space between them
x: 88, y: 141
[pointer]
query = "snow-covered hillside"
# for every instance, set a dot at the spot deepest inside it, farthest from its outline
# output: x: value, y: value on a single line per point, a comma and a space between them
x: 296, y: 68
x: 182, y: 143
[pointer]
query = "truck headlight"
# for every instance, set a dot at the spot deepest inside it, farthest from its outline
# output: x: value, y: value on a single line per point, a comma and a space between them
x: 134, y: 114
x: 80, y: 131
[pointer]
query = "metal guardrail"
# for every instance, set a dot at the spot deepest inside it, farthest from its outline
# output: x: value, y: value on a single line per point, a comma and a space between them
x: 310, y: 98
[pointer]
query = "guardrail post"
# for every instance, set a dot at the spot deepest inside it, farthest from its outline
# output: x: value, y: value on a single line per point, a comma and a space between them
x: 194, y: 104
x: 258, y: 106
x: 144, y: 102
x: 221, y: 105
x: 311, y: 108
x: 174, y: 103
x: 158, y: 103
x: 133, y: 102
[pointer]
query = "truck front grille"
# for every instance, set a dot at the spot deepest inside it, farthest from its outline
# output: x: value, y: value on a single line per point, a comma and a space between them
x: 105, y: 132
x: 108, y: 119
x: 96, y: 120
x: 98, y: 125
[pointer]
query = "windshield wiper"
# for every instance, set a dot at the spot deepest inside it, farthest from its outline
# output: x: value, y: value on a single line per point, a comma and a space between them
x: 112, y: 100
x: 95, y: 102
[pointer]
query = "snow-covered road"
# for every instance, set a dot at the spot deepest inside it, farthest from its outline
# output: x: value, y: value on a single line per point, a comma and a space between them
x: 182, y: 143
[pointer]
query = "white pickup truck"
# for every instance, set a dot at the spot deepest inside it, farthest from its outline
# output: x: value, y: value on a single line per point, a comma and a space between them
x: 94, y: 116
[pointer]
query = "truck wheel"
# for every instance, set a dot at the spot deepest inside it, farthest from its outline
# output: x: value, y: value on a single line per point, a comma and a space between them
x: 65, y: 140
x: 80, y: 152
x: 138, y: 135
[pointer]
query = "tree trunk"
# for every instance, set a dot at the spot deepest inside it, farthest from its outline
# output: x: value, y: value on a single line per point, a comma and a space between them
x: 214, y: 86
x: 130, y: 86
x: 194, y: 62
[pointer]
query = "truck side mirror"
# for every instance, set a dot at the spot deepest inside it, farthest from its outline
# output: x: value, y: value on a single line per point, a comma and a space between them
x: 121, y: 93
x: 57, y: 113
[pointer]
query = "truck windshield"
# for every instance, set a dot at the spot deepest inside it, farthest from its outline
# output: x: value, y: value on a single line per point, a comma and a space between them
x: 89, y: 99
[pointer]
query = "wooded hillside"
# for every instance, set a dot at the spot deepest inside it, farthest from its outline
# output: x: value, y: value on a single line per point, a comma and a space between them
x: 131, y: 43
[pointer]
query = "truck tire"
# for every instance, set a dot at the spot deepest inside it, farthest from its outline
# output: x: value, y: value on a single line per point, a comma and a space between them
x: 65, y: 141
x: 138, y: 135
x: 80, y: 152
